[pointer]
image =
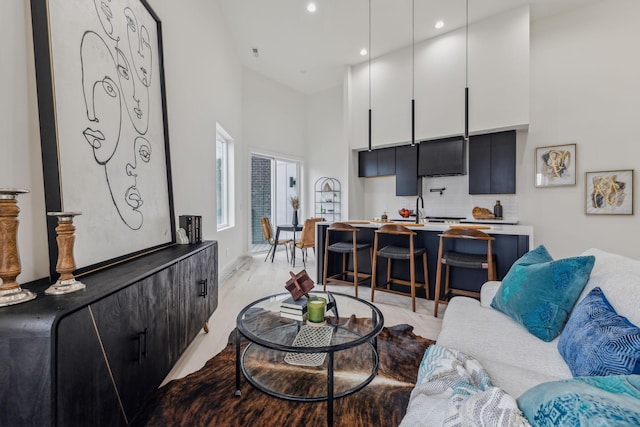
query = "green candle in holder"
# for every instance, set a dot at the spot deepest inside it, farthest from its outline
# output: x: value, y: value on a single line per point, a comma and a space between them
x: 316, y: 307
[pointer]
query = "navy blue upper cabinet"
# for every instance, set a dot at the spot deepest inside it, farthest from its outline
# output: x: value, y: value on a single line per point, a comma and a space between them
x: 407, y: 180
x: 492, y: 163
x: 379, y: 162
x: 442, y: 157
x: 367, y: 163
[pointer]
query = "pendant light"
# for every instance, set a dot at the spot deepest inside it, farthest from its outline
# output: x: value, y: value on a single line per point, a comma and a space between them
x: 466, y: 75
x: 413, y: 73
x: 369, y: 75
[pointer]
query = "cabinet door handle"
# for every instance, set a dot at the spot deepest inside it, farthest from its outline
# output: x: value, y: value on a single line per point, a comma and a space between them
x: 203, y: 287
x: 142, y: 346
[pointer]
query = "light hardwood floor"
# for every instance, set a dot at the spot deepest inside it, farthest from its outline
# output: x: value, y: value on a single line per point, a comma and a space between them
x: 255, y: 278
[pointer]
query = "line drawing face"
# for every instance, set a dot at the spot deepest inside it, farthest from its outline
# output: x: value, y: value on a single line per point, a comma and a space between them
x: 116, y: 60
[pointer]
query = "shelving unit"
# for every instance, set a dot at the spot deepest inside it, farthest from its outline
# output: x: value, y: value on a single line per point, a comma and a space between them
x: 327, y: 201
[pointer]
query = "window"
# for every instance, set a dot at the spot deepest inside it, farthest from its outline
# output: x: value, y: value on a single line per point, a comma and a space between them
x: 224, y: 184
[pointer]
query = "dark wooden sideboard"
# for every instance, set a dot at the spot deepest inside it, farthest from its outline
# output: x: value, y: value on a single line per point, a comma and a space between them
x: 93, y: 357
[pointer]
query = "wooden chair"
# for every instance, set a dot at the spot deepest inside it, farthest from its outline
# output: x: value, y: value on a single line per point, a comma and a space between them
x: 393, y: 252
x: 452, y: 258
x: 346, y: 248
x: 267, y: 232
x: 307, y: 237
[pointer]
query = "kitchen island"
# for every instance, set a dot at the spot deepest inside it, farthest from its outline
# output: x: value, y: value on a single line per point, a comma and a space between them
x: 512, y: 241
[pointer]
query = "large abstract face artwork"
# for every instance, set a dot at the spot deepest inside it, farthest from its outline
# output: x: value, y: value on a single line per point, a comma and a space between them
x: 108, y: 111
x: 116, y: 72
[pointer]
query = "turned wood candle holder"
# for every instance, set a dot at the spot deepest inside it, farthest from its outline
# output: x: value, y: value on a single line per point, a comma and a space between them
x: 66, y: 264
x: 10, y: 290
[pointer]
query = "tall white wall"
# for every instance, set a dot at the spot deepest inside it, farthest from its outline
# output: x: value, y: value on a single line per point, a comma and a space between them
x: 328, y: 153
x: 204, y: 87
x: 274, y: 123
x: 20, y: 159
x: 585, y: 89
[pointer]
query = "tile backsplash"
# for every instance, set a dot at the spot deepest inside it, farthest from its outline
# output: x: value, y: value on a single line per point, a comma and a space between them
x: 455, y: 200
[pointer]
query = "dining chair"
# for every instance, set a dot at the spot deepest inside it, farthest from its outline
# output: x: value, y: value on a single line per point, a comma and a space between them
x: 267, y: 232
x: 307, y: 237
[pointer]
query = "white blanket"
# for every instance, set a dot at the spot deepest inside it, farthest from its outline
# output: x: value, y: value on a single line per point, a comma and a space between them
x: 453, y: 389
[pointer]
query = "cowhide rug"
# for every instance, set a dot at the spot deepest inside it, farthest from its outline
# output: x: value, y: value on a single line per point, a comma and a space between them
x: 206, y: 397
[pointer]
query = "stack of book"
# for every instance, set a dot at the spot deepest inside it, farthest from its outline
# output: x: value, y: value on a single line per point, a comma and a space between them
x: 296, y: 310
x: 192, y: 226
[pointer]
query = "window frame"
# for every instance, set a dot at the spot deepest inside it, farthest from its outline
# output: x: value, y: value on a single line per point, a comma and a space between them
x: 224, y: 179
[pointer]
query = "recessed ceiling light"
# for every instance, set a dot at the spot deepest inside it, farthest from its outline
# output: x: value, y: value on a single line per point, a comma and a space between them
x: 311, y: 7
x: 439, y: 24
x: 363, y: 52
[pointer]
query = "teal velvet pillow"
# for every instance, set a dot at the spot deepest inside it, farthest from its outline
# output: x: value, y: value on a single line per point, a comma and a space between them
x: 586, y: 401
x: 539, y: 292
x: 598, y: 341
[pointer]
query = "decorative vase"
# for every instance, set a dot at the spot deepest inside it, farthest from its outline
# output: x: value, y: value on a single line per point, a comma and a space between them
x: 295, y: 219
x: 10, y: 290
x: 66, y: 264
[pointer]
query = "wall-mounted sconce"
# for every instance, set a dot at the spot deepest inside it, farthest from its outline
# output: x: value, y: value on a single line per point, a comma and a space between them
x: 292, y: 182
x: 437, y: 190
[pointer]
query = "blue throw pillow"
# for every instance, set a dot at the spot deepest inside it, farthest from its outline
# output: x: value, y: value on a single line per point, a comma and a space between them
x: 539, y: 292
x: 586, y: 401
x: 598, y: 341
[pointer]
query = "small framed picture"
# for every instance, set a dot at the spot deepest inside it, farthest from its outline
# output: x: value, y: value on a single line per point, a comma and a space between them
x: 609, y: 192
x: 556, y: 165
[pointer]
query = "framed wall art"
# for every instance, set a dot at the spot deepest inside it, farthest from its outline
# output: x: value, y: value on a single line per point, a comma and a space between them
x: 609, y: 192
x: 556, y: 165
x: 105, y: 146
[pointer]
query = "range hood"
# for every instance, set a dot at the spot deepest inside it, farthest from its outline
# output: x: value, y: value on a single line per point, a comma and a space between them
x: 442, y: 157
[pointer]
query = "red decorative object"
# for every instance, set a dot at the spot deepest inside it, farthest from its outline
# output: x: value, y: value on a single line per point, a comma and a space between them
x: 300, y: 284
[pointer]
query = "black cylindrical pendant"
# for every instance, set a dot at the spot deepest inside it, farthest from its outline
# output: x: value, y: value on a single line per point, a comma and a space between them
x: 466, y: 113
x: 413, y: 122
x: 369, y: 129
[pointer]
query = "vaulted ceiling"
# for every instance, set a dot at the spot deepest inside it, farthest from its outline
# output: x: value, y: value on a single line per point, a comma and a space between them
x: 309, y: 51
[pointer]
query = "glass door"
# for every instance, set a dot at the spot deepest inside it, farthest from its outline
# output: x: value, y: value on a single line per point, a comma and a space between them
x: 273, y: 182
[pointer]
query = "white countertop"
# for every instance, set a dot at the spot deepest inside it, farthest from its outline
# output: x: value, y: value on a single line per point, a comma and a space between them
x: 518, y: 230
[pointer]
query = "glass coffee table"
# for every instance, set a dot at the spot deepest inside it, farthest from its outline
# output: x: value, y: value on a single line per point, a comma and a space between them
x: 294, y: 360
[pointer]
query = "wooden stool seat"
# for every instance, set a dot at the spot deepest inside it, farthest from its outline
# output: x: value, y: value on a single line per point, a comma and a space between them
x: 397, y: 252
x: 465, y: 260
x: 394, y: 252
x: 345, y: 247
x: 453, y: 258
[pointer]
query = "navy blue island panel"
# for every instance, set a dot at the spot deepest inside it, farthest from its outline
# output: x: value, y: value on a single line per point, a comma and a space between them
x: 507, y: 248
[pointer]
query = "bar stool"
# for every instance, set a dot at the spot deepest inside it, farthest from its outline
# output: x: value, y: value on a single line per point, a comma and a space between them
x: 345, y: 248
x: 453, y: 258
x: 392, y: 252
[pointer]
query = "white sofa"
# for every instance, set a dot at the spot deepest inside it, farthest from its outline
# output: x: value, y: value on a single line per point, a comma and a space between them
x: 515, y: 359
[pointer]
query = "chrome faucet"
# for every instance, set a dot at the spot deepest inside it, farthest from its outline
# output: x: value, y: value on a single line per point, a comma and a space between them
x: 419, y: 204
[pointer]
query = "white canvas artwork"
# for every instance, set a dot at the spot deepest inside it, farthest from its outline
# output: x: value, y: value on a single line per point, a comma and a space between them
x: 108, y: 112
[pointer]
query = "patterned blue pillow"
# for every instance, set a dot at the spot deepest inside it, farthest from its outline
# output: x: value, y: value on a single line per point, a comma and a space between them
x: 586, y: 401
x: 539, y: 292
x: 598, y: 341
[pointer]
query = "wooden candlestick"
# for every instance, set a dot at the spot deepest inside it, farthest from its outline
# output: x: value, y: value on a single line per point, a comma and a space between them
x: 66, y: 264
x: 10, y: 290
